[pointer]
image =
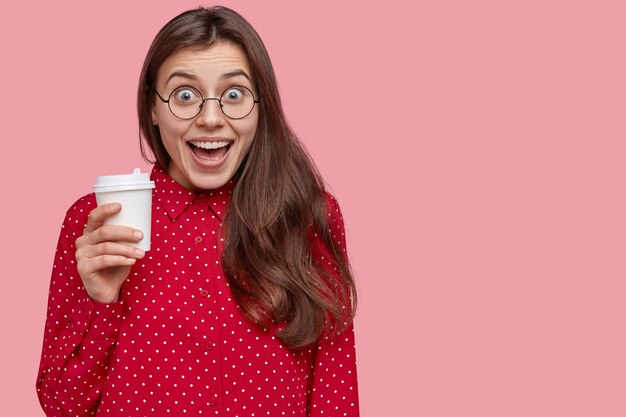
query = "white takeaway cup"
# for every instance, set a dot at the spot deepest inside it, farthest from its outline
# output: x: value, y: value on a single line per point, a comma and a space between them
x: 134, y: 193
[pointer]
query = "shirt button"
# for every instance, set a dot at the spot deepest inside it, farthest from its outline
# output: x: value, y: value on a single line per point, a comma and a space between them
x: 204, y: 293
x: 210, y: 346
x: 198, y: 239
x: 212, y: 402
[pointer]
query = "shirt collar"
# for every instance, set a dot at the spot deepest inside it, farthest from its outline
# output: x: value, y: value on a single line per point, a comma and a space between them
x: 175, y: 198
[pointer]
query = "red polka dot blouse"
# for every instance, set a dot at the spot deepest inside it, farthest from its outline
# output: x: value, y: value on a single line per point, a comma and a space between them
x: 176, y: 343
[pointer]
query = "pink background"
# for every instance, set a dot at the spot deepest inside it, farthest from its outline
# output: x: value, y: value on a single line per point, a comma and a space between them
x: 480, y: 170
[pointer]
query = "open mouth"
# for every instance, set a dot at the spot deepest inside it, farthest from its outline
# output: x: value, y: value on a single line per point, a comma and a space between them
x: 210, y: 151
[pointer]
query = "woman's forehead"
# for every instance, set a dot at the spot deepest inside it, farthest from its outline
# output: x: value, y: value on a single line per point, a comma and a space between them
x: 214, y: 59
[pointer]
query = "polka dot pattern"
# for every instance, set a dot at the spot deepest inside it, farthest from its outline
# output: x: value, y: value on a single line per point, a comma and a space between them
x: 177, y: 343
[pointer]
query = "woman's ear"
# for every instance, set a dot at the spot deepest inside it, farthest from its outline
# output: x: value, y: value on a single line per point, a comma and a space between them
x: 155, y: 121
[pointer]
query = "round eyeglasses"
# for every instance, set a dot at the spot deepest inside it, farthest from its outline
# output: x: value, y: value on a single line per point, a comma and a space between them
x: 185, y: 102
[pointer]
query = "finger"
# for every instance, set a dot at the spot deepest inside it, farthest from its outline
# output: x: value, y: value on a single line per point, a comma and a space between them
x: 90, y: 266
x: 98, y: 215
x: 109, y: 248
x: 110, y: 233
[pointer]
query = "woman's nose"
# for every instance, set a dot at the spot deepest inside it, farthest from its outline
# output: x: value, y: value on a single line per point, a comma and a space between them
x: 211, y: 112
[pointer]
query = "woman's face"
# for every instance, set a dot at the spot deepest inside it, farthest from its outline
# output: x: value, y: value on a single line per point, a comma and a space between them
x: 206, y: 150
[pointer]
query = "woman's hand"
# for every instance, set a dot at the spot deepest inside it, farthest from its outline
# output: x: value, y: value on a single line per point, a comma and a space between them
x: 102, y: 256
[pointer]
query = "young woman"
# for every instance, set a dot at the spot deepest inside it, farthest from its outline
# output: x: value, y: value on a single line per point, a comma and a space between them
x: 244, y: 304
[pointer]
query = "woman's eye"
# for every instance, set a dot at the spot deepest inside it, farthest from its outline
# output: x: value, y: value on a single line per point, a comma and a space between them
x: 186, y: 95
x: 233, y: 94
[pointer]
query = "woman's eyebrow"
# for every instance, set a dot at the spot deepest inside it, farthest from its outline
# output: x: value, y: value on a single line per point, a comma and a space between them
x: 182, y: 74
x: 194, y: 77
x: 234, y: 73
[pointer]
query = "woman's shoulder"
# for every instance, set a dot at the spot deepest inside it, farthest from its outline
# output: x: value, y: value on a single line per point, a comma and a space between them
x: 333, y: 210
x: 86, y: 202
x: 336, y: 225
x: 332, y: 205
x: 78, y: 212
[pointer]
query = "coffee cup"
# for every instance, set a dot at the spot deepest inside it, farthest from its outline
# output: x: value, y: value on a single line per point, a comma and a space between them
x: 134, y: 193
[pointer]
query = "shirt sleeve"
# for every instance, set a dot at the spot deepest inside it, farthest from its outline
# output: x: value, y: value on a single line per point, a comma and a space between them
x: 79, y: 334
x: 333, y: 389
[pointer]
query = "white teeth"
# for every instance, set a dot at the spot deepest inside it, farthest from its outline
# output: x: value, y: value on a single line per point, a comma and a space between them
x: 210, y: 145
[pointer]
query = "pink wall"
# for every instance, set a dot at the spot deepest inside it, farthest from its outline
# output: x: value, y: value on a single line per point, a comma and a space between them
x: 480, y: 168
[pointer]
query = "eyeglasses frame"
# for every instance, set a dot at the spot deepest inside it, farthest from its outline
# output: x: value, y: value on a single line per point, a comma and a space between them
x: 219, y: 100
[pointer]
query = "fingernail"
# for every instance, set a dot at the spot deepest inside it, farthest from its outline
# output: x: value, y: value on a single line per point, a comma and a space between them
x: 138, y: 235
x: 139, y: 252
x: 116, y: 207
x: 130, y: 261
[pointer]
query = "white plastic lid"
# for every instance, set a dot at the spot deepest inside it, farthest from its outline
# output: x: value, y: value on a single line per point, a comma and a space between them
x: 134, y: 181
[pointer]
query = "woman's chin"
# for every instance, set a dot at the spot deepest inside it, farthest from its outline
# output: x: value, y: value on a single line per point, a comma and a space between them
x: 203, y: 181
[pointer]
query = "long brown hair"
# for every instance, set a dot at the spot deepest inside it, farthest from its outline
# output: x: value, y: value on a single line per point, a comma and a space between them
x: 277, y: 216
